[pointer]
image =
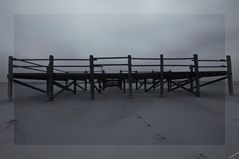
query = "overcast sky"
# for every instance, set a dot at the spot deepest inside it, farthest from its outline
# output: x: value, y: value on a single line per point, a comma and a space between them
x: 105, y: 27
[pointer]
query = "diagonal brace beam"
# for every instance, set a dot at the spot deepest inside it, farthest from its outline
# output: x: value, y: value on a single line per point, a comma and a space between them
x: 64, y: 88
x: 182, y: 86
x: 29, y: 86
x: 214, y: 81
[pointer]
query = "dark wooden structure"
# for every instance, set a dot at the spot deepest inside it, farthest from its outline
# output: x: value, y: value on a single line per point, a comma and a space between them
x: 189, y: 79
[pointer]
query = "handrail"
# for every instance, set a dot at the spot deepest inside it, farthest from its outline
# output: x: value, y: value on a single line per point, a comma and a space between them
x: 36, y: 65
x: 160, y: 65
x: 220, y: 60
x: 144, y: 65
x: 100, y: 65
x: 71, y: 59
x: 22, y: 60
x: 71, y: 66
x: 142, y: 58
x: 29, y: 68
x: 169, y: 58
x: 107, y: 58
x: 16, y: 59
x: 212, y: 66
x: 168, y: 65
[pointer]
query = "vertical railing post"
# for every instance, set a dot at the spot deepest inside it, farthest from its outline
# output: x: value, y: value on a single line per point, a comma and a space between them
x: 10, y: 78
x: 161, y: 75
x: 130, y: 76
x: 196, y: 74
x: 229, y: 75
x: 191, y: 77
x: 50, y: 80
x: 92, y: 80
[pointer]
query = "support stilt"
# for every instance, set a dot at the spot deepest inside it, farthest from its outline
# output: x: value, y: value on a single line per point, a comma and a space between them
x: 10, y: 78
x: 196, y: 71
x: 130, y: 76
x: 229, y: 75
x: 92, y: 81
x: 50, y: 78
x: 161, y: 75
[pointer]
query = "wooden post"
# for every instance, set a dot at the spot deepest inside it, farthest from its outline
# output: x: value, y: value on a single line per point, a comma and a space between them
x: 124, y: 85
x: 85, y: 82
x: 136, y: 80
x: 161, y: 75
x: 191, y: 78
x: 10, y: 78
x: 229, y: 75
x: 92, y: 80
x: 47, y: 84
x: 169, y: 82
x: 104, y: 80
x: 75, y: 88
x: 130, y: 76
x: 145, y: 84
x: 153, y: 80
x: 196, y: 71
x: 50, y: 78
x: 121, y: 80
x: 168, y: 85
x: 66, y: 85
x: 99, y: 85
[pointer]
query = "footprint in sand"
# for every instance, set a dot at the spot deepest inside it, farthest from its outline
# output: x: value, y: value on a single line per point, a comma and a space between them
x: 159, y: 137
x: 9, y: 123
x: 237, y: 119
x: 146, y: 124
x: 139, y: 116
x: 201, y: 156
x: 15, y: 125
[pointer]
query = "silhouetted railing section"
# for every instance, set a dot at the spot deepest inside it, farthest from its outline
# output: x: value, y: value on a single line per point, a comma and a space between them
x: 193, y: 65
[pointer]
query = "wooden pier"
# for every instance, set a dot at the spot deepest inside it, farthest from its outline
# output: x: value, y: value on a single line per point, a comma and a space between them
x: 130, y: 80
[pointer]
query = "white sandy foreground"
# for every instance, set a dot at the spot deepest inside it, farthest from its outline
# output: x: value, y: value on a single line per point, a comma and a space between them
x: 38, y: 122
x: 179, y: 118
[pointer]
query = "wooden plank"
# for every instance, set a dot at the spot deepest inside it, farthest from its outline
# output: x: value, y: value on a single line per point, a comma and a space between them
x: 182, y: 86
x: 213, y: 81
x: 29, y: 86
